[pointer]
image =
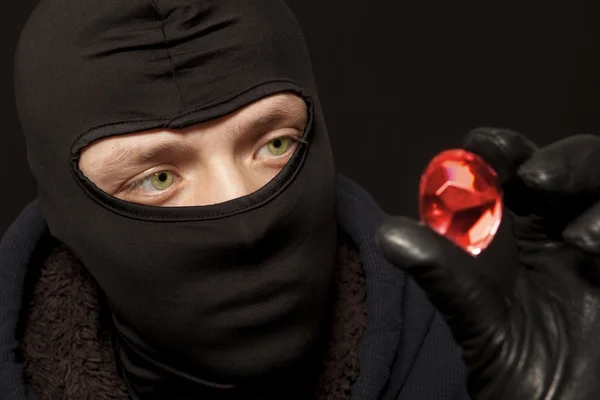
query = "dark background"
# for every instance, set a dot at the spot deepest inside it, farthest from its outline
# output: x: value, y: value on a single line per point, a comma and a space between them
x: 402, y: 80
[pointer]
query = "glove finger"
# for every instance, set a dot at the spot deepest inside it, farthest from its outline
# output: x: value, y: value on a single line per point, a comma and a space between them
x: 584, y: 231
x: 450, y: 277
x: 504, y: 150
x: 569, y: 167
x: 563, y: 180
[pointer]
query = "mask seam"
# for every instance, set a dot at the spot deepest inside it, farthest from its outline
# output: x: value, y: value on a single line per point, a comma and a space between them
x: 167, y: 44
x: 165, y: 122
x: 303, y: 148
x: 79, y: 137
x: 296, y: 89
x: 158, y: 218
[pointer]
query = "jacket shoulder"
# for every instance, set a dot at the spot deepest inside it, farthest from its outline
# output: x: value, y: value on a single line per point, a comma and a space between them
x: 408, y: 351
x: 19, y: 248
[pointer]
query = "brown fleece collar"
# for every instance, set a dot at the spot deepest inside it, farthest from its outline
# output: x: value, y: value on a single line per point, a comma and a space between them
x: 68, y: 354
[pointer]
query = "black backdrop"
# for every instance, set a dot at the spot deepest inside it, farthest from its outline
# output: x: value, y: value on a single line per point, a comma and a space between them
x: 402, y: 80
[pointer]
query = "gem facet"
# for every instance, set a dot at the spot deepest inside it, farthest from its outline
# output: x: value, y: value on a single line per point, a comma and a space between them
x: 460, y: 198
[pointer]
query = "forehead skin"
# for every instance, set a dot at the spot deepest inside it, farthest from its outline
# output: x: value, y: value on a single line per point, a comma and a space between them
x: 264, y: 112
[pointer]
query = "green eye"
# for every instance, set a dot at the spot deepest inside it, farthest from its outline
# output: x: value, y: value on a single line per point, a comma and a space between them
x: 162, y: 180
x: 278, y: 146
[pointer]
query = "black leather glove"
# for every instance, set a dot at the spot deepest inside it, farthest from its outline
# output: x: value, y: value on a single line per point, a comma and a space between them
x: 539, y: 336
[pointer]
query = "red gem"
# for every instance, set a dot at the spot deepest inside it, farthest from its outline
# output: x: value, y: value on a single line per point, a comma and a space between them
x: 461, y: 199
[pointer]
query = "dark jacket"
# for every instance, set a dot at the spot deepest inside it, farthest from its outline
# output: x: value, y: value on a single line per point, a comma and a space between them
x: 407, y: 351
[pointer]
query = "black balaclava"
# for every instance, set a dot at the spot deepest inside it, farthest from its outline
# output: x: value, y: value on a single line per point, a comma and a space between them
x: 219, y: 301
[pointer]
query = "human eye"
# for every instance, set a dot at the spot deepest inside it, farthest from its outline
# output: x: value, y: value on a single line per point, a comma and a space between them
x: 157, y: 184
x: 279, y: 147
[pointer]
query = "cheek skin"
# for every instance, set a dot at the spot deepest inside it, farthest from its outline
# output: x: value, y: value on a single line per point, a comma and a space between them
x: 213, y: 186
x: 207, y: 187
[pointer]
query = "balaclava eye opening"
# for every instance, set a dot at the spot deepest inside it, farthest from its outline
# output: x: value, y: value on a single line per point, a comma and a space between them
x: 206, y: 300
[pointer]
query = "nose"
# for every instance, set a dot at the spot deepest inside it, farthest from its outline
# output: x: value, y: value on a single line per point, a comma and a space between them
x: 223, y: 180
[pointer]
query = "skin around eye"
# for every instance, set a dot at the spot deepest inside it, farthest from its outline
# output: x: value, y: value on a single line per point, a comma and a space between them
x: 161, y: 184
x: 157, y: 182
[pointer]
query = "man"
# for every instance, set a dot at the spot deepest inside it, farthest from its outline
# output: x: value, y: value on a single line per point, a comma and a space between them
x: 199, y: 243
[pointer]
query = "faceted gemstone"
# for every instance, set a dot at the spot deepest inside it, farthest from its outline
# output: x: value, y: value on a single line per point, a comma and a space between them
x: 460, y: 198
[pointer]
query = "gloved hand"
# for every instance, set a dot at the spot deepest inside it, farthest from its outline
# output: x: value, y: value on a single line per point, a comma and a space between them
x: 538, y: 337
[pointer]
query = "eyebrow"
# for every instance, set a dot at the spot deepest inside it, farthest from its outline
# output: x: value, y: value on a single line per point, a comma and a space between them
x: 281, y: 112
x: 139, y: 154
